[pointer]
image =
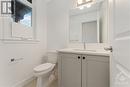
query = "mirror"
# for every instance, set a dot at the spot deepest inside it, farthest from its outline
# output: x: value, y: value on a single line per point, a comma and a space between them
x: 89, y: 24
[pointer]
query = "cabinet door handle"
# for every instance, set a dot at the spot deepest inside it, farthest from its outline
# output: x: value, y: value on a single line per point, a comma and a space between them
x: 83, y: 57
x: 78, y: 57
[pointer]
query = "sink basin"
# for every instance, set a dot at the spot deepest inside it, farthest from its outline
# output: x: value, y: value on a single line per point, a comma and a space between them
x: 85, y: 50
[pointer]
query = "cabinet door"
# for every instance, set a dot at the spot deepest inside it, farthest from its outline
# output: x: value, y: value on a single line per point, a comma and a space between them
x: 95, y: 71
x: 70, y: 70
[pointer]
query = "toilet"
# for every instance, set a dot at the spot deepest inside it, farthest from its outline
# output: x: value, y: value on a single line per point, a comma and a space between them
x: 43, y: 71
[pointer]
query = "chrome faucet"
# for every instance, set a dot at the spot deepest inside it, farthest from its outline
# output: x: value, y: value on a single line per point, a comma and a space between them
x: 84, y: 44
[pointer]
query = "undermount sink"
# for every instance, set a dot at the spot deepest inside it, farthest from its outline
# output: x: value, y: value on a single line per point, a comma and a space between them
x: 85, y: 50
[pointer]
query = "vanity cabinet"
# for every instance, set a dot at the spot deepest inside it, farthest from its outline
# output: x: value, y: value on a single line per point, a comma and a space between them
x: 95, y: 71
x: 70, y: 70
x: 77, y: 70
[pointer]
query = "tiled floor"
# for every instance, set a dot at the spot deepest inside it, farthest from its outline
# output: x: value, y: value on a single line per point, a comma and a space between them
x: 54, y: 84
x: 33, y: 84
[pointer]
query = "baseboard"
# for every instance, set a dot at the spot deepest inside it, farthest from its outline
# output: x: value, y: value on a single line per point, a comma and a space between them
x: 24, y: 82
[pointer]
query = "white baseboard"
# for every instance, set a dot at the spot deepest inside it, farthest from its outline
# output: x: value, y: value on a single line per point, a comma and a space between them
x: 24, y: 82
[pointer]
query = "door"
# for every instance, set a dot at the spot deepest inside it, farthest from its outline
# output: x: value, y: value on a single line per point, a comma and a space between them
x: 95, y: 71
x: 90, y: 32
x: 70, y: 70
x: 120, y: 59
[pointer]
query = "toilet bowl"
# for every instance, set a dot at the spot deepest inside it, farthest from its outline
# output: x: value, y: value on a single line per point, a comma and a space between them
x: 43, y: 71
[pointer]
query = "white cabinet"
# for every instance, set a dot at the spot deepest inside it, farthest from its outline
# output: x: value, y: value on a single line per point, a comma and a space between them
x: 83, y: 70
x: 95, y: 71
x: 70, y: 70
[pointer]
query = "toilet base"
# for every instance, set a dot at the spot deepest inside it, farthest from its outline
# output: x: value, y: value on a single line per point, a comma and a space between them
x: 42, y: 82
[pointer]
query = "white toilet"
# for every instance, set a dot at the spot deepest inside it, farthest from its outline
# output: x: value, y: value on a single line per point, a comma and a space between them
x: 43, y: 71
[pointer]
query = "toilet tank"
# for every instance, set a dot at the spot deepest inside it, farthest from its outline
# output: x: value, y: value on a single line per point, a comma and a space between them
x: 52, y: 56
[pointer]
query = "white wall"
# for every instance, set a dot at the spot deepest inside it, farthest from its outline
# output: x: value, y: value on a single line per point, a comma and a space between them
x: 104, y: 22
x: 15, y: 73
x: 58, y: 23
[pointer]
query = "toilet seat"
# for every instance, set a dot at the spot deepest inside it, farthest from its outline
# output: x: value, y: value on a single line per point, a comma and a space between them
x: 44, y: 67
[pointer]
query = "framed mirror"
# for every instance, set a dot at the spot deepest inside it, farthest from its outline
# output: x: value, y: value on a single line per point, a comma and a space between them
x: 89, y: 24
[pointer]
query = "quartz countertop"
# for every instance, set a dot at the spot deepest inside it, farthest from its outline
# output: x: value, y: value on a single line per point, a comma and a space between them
x: 86, y: 52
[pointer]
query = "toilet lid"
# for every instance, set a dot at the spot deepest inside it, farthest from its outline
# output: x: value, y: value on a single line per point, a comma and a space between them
x: 43, y: 67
